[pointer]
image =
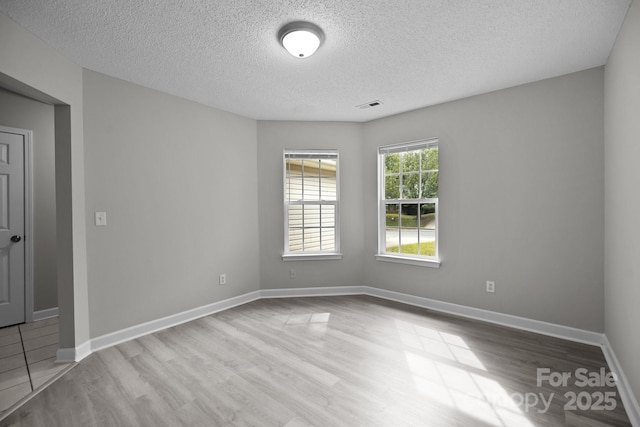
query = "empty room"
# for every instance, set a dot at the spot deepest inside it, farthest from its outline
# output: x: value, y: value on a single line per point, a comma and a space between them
x: 279, y: 213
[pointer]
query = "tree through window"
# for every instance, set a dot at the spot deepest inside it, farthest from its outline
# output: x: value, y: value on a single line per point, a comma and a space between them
x: 408, y: 176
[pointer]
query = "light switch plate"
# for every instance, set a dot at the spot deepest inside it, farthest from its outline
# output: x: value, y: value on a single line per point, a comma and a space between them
x: 491, y: 286
x: 101, y: 219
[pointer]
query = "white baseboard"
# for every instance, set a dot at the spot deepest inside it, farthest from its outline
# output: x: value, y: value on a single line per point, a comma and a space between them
x: 624, y: 388
x: 523, y: 323
x: 146, y: 328
x: 312, y: 292
x: 45, y: 314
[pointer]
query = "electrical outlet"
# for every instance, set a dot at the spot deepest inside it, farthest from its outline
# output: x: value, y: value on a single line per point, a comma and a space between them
x: 491, y: 286
x: 223, y: 279
x: 292, y: 274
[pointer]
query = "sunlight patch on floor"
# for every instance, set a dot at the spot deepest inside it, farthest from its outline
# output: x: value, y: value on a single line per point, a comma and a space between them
x: 315, y: 323
x: 448, y: 372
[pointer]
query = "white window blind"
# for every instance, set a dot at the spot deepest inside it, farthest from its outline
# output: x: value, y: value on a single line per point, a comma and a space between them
x: 311, y: 202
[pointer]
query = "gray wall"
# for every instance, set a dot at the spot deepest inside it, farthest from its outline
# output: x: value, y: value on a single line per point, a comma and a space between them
x: 622, y: 184
x: 178, y: 181
x: 521, y: 200
x: 273, y: 138
x: 20, y: 112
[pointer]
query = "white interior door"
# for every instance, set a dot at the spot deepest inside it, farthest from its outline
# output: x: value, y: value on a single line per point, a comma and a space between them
x: 12, y: 225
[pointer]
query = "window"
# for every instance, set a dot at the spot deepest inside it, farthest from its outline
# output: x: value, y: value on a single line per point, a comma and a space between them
x: 408, y: 197
x: 311, y: 205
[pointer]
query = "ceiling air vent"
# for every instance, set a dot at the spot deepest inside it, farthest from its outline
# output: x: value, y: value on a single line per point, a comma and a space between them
x: 369, y: 104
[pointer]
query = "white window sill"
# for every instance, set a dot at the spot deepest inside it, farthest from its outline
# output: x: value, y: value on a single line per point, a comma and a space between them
x: 310, y: 257
x: 422, y: 262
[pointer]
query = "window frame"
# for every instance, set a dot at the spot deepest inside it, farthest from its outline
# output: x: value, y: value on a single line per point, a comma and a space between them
x: 397, y: 257
x: 314, y: 154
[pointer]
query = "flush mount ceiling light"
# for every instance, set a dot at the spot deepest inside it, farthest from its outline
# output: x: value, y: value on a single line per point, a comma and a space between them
x: 301, y: 39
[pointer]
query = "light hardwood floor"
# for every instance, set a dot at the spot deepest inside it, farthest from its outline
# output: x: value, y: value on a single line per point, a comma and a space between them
x: 325, y: 361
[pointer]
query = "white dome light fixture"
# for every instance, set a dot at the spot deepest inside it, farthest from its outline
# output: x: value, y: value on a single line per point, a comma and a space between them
x: 301, y: 39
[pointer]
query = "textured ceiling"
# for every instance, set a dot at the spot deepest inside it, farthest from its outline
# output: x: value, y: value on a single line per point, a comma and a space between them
x: 406, y: 53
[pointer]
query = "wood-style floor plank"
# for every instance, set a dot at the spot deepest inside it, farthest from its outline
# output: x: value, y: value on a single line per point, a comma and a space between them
x: 323, y: 361
x: 11, y: 330
x: 10, y: 350
x: 14, y: 377
x: 39, y: 354
x: 9, y: 338
x: 39, y: 342
x: 12, y: 362
x: 12, y: 395
x: 39, y: 324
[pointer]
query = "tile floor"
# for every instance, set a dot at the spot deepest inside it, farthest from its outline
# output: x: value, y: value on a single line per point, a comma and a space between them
x: 27, y: 359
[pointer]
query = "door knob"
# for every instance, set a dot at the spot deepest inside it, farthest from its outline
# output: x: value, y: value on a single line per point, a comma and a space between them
x: 16, y: 239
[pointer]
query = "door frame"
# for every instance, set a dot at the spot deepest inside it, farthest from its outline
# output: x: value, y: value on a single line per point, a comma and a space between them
x: 28, y: 218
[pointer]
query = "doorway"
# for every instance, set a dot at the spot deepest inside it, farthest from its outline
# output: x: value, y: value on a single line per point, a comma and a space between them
x: 67, y: 275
